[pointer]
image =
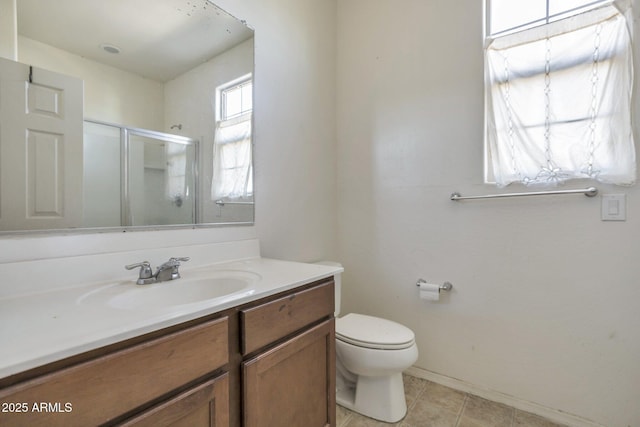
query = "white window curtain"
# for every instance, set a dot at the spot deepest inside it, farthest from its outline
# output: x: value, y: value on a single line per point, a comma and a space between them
x: 176, y: 185
x: 232, y: 169
x: 559, y: 101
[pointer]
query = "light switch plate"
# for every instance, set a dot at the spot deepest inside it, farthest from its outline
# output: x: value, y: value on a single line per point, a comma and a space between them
x: 614, y: 207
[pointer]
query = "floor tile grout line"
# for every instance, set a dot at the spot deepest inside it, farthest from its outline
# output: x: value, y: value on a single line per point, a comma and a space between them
x: 418, y: 395
x: 346, y: 420
x: 462, y: 408
x: 414, y: 403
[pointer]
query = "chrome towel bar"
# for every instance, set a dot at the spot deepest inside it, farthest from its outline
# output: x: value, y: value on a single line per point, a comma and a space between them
x: 589, y: 192
x: 222, y: 203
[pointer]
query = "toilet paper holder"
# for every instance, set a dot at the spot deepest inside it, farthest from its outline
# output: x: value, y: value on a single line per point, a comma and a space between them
x: 446, y: 286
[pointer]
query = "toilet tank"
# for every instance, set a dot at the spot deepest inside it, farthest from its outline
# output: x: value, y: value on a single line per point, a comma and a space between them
x: 338, y: 284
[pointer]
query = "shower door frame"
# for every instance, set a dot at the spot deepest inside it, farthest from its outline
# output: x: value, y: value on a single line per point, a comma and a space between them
x: 125, y: 196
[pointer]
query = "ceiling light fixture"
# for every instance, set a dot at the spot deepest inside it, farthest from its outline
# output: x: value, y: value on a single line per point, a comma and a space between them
x: 110, y: 48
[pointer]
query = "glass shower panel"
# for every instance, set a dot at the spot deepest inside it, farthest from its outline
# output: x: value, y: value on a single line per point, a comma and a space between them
x: 102, y: 188
x: 161, y: 179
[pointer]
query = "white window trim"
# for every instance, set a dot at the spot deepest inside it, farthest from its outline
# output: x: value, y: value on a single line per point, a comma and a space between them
x: 240, y: 80
x: 549, y: 18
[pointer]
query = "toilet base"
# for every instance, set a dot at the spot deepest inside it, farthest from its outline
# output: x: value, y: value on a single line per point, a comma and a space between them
x: 381, y: 398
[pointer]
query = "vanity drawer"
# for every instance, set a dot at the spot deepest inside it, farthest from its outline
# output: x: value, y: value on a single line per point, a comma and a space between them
x: 204, y: 405
x: 98, y: 390
x: 269, y: 322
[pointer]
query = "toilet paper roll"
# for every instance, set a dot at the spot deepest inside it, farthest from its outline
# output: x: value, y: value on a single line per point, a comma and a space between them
x: 429, y: 291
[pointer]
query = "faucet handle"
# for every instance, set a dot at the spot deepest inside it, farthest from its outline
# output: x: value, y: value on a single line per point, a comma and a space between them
x: 143, y: 265
x: 171, y: 267
x: 146, y: 273
x: 174, y: 262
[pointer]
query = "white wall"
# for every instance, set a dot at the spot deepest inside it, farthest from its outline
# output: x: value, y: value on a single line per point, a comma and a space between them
x: 110, y: 95
x: 546, y: 299
x: 8, y: 34
x: 295, y: 150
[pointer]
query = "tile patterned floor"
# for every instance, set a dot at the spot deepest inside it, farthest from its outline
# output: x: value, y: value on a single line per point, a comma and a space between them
x: 433, y: 405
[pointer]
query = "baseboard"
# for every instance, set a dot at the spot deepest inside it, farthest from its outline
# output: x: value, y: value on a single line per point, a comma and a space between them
x: 551, y: 414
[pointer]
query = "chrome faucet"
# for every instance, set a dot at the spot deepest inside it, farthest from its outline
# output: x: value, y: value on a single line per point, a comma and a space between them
x: 169, y: 270
x: 166, y: 271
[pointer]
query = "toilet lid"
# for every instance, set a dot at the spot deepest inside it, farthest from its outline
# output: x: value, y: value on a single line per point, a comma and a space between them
x: 373, y: 332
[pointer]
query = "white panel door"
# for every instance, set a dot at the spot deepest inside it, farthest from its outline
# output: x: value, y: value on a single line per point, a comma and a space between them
x: 40, y: 148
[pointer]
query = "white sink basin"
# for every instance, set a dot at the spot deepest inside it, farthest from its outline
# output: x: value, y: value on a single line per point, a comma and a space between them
x: 194, y: 288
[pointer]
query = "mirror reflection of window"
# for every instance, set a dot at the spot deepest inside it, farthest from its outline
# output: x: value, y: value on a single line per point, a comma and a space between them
x: 233, y: 174
x: 236, y: 100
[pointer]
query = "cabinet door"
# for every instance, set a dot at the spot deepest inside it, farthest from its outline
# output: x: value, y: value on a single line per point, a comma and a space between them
x: 206, y: 405
x: 293, y: 384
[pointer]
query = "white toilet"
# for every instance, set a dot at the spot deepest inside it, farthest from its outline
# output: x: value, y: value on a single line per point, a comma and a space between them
x: 371, y: 354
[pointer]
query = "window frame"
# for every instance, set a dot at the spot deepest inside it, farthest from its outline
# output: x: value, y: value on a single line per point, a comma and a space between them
x: 547, y: 19
x: 223, y: 89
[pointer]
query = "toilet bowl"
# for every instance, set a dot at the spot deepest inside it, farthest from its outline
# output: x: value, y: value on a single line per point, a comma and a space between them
x: 371, y: 354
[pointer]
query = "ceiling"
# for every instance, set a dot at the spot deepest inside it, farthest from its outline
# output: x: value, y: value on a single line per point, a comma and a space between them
x: 158, y: 39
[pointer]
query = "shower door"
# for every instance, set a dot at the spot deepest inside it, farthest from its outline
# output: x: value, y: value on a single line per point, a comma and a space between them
x: 137, y: 177
x: 161, y: 177
x: 102, y: 170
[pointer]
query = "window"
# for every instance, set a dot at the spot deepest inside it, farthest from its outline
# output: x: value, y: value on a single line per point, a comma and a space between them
x: 558, y: 91
x: 232, y: 170
x: 507, y: 16
x: 236, y: 100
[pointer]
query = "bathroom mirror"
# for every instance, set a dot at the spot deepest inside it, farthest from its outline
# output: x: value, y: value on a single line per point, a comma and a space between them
x: 165, y: 124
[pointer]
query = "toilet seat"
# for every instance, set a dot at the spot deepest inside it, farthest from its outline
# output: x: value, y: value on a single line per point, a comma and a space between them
x: 373, y: 332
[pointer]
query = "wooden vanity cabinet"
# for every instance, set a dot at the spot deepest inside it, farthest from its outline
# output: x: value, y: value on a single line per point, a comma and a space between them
x: 270, y: 363
x: 289, y: 376
x: 104, y: 389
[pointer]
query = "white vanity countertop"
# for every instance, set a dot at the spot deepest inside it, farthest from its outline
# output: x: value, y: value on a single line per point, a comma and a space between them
x: 44, y: 327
